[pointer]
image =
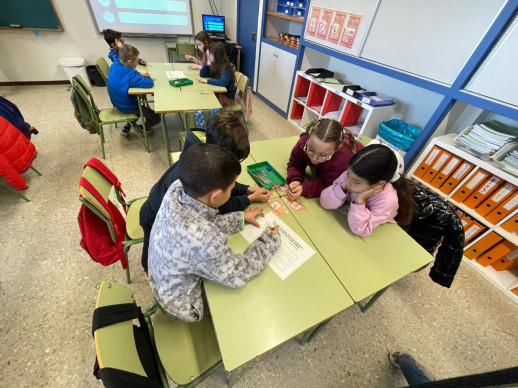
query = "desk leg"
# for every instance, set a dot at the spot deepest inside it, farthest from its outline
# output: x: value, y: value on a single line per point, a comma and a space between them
x: 372, y: 301
x: 312, y: 333
x: 141, y: 99
x: 166, y: 138
x: 232, y: 376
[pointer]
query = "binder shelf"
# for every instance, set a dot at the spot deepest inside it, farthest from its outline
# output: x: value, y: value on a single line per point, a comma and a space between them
x: 486, y: 199
x: 313, y: 100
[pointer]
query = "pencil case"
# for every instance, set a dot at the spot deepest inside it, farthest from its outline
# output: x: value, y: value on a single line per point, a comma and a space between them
x: 180, y: 82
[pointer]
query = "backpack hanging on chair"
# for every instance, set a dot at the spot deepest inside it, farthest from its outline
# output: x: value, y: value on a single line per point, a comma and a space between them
x: 102, y: 244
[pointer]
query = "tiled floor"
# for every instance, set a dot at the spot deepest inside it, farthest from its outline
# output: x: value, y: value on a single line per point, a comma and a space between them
x: 47, y: 282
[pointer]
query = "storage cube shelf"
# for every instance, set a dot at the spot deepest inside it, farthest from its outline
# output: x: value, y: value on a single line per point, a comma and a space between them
x: 320, y: 100
x: 504, y: 280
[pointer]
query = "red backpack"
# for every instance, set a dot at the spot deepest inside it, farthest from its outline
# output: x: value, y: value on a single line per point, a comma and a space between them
x: 95, y: 233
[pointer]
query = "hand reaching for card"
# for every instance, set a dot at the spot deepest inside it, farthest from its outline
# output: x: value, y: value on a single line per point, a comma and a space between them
x: 294, y: 190
x: 251, y: 214
x: 258, y: 194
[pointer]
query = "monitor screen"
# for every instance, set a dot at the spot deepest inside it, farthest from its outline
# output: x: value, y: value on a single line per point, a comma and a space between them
x: 213, y: 23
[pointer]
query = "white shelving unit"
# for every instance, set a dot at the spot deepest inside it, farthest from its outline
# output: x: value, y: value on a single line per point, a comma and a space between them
x: 505, y: 281
x: 313, y: 100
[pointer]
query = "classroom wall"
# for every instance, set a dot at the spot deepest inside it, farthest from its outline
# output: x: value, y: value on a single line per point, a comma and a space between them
x: 413, y: 104
x: 27, y: 57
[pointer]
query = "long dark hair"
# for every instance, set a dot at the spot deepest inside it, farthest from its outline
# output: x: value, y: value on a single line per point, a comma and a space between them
x: 331, y: 131
x: 203, y: 37
x: 221, y: 62
x: 376, y: 163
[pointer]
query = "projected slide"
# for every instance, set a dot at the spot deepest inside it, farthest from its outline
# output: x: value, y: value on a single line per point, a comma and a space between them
x: 161, y: 17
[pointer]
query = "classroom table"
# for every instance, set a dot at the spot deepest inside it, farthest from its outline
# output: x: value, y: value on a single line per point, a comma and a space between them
x: 268, y: 311
x: 364, y: 265
x: 168, y: 99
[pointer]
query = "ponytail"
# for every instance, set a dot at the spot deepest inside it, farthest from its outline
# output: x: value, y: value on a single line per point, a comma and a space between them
x: 352, y: 140
x: 407, y: 205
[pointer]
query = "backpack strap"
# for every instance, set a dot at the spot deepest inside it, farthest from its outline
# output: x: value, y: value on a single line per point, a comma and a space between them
x: 105, y: 172
x: 109, y: 315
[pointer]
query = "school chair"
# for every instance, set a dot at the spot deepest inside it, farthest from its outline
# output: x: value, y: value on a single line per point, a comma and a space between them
x: 103, y: 117
x: 188, y: 352
x: 185, y: 49
x: 134, y: 232
x: 189, y: 123
x: 103, y: 68
x: 125, y: 353
x: 242, y: 89
x: 4, y: 183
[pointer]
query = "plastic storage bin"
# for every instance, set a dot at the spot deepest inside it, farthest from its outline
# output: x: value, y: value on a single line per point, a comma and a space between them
x: 285, y: 10
x: 299, y: 12
x: 398, y: 135
x: 74, y: 66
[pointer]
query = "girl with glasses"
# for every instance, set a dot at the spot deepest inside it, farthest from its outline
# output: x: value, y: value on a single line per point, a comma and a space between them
x: 326, y: 149
x: 377, y: 191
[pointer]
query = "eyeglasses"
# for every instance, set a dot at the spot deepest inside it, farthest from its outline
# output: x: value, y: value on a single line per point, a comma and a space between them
x: 314, y: 155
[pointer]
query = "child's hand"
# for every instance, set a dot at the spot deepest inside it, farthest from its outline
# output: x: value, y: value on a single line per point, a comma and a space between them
x: 143, y: 62
x: 274, y: 230
x: 294, y: 190
x: 145, y: 74
x: 251, y: 214
x: 189, y: 58
x: 363, y: 196
x: 258, y: 194
x: 193, y: 67
x: 202, y: 80
x: 119, y: 42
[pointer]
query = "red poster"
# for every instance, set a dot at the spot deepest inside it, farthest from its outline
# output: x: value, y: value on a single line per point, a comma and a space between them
x: 350, y: 29
x: 311, y: 26
x: 336, y: 26
x: 324, y: 23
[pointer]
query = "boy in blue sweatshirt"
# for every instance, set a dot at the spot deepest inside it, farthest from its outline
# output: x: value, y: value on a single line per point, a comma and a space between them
x: 123, y: 76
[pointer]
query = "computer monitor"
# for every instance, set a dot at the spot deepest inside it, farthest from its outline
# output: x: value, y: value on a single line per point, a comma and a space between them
x: 213, y: 23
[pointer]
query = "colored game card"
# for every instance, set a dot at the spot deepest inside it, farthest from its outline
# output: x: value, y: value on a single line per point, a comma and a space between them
x: 296, y: 206
x: 277, y: 207
x: 282, y: 189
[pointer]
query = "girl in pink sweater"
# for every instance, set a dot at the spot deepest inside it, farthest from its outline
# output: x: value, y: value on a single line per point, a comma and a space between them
x: 203, y: 44
x: 376, y: 189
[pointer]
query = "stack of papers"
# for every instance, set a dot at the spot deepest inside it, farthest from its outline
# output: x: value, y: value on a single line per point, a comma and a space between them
x: 488, y: 137
x: 511, y: 159
x: 175, y: 74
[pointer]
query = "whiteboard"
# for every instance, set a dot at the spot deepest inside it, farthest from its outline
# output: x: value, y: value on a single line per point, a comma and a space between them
x: 432, y: 39
x: 498, y: 75
x: 351, y: 18
x: 149, y: 17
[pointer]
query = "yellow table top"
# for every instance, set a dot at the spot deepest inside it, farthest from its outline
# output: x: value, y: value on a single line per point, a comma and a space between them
x: 197, y: 86
x: 268, y: 311
x: 364, y: 265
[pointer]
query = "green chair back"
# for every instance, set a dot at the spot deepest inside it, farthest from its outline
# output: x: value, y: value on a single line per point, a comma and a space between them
x: 115, y: 344
x: 77, y: 79
x: 101, y: 185
x: 185, y: 49
x: 103, y: 68
x: 186, y: 350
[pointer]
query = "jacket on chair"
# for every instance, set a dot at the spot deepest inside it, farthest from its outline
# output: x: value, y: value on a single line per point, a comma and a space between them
x: 16, y: 154
x: 434, y: 221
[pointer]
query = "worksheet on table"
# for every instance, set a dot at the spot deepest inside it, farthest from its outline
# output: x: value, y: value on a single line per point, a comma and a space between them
x: 175, y: 74
x: 294, y: 251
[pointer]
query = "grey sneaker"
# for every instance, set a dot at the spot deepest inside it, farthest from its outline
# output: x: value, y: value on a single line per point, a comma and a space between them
x: 392, y: 358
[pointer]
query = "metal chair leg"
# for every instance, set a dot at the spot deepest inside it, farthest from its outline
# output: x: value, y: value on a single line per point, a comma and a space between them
x: 125, y: 249
x: 11, y: 188
x: 101, y: 134
x: 166, y: 138
x: 36, y: 171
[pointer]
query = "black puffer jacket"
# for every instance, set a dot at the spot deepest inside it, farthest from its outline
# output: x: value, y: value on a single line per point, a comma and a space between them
x: 435, y: 220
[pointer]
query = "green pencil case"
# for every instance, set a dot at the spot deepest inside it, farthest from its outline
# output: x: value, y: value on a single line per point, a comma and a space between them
x: 265, y: 175
x: 180, y: 82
